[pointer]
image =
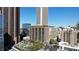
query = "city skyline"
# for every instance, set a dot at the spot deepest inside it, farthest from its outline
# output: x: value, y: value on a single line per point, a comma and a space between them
x: 57, y: 16
x: 40, y: 36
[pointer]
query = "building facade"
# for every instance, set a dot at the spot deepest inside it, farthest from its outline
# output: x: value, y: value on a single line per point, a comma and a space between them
x: 52, y: 32
x: 40, y: 31
x: 69, y: 35
x: 42, y: 15
x: 11, y: 24
x: 26, y: 28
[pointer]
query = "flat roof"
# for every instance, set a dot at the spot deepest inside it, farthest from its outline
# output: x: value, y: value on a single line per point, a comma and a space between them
x: 67, y: 46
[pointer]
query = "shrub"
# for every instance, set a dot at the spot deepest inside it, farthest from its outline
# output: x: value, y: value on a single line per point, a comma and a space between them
x: 36, y: 45
x: 52, y: 41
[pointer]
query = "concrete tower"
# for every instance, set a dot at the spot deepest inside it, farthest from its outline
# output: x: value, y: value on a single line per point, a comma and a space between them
x: 40, y: 31
x: 11, y: 21
x: 42, y: 15
x: 9, y: 26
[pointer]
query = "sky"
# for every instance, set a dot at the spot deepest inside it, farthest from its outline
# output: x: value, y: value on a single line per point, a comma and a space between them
x: 27, y: 15
x: 57, y: 16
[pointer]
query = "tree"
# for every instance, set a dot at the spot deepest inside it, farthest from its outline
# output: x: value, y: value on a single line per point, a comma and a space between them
x: 58, y: 39
x: 52, y: 41
x: 8, y: 42
x: 36, y: 45
x: 23, y: 34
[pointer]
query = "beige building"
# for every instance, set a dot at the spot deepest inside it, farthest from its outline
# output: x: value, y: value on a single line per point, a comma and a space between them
x: 11, y: 21
x: 66, y: 35
x: 52, y: 32
x: 39, y: 33
x: 70, y: 36
x: 42, y: 16
x: 10, y: 26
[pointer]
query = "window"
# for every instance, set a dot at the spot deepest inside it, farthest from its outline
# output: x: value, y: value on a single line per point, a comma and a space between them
x: 39, y: 33
x: 42, y: 34
x: 35, y: 33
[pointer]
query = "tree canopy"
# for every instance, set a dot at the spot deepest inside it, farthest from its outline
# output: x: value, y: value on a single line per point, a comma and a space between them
x: 52, y: 41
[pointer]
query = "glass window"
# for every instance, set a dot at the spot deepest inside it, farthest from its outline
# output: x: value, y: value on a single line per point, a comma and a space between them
x: 39, y: 33
x: 42, y: 34
x: 35, y: 33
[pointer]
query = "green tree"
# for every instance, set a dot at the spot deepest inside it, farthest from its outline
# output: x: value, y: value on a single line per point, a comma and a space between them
x: 52, y: 41
x: 36, y: 45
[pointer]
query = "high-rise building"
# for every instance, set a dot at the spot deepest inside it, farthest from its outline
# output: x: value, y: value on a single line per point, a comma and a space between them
x: 42, y: 15
x: 26, y: 28
x: 40, y: 31
x: 11, y: 22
